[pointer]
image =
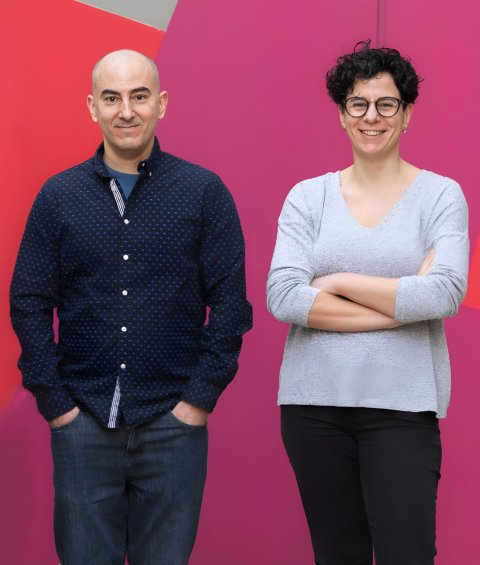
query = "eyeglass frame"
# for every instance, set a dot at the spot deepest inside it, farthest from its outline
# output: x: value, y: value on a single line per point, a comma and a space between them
x: 399, y: 100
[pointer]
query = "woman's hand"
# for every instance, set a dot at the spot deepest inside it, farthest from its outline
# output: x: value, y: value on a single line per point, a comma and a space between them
x: 427, y: 263
x: 326, y: 283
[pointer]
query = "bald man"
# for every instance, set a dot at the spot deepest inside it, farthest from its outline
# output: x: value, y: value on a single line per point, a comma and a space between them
x: 130, y: 247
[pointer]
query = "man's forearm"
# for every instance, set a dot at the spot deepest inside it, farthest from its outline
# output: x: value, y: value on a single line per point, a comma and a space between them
x: 336, y: 314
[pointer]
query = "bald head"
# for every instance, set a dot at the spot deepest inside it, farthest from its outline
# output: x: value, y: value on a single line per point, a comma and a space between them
x: 126, y: 102
x: 122, y: 62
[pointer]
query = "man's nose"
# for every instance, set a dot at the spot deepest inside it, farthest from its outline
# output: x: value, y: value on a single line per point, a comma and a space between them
x: 126, y: 109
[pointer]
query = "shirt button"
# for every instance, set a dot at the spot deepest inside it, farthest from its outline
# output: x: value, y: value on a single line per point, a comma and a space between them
x: 124, y: 328
x: 124, y: 292
x: 126, y: 221
x: 125, y: 257
x: 150, y: 174
x: 123, y: 366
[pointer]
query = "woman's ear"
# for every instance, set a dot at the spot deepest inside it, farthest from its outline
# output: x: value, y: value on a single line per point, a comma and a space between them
x: 341, y: 111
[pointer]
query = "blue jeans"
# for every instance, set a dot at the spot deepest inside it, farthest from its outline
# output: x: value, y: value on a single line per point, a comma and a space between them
x: 128, y: 491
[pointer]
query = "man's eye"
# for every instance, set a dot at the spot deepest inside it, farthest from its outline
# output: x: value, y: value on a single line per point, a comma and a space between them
x: 140, y: 97
x: 111, y: 99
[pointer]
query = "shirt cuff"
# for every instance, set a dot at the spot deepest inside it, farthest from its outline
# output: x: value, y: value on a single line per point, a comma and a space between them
x: 54, y: 403
x: 201, y: 394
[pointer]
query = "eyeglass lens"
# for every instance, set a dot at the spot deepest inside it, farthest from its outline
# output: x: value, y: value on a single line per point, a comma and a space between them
x: 385, y: 106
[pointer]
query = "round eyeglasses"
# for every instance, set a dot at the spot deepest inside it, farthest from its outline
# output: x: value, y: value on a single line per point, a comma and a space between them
x: 357, y: 107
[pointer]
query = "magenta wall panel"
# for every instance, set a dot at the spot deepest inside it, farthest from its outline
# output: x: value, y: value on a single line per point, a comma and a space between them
x: 442, y: 38
x: 253, y: 107
x: 247, y: 99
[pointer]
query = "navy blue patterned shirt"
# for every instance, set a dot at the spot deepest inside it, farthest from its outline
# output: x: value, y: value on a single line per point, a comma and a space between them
x: 131, y: 281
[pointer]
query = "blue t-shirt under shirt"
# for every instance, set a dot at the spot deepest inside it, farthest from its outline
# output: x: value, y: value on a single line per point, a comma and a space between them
x: 127, y: 181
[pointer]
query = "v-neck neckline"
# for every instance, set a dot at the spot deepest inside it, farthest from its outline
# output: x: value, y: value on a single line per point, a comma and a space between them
x: 389, y: 213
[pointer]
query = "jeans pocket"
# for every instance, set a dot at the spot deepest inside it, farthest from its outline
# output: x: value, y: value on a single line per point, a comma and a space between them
x: 184, y: 424
x: 66, y: 426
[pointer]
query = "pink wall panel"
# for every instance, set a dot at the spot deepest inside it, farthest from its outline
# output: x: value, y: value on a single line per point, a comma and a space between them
x: 247, y: 98
x: 246, y: 81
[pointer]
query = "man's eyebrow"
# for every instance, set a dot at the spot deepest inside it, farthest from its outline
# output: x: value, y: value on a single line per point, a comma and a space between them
x: 134, y: 91
x: 140, y: 89
x: 108, y: 91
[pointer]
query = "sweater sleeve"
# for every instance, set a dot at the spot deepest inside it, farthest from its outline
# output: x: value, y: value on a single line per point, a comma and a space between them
x: 289, y: 294
x: 439, y: 293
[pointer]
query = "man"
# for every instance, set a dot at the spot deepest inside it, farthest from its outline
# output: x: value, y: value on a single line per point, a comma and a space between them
x: 131, y: 247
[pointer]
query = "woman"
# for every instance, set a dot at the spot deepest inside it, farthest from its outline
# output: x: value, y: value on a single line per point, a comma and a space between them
x: 368, y: 262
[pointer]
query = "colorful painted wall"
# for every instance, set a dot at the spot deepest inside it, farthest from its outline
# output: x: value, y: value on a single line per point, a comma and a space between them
x: 247, y: 99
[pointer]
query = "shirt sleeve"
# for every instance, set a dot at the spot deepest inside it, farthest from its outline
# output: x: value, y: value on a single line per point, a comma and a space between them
x: 34, y: 293
x: 289, y: 294
x: 439, y: 294
x: 222, y: 264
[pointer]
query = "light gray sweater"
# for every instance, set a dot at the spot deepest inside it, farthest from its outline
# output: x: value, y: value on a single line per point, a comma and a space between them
x: 406, y: 368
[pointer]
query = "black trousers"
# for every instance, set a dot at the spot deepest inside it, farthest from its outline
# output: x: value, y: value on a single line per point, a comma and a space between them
x: 368, y: 482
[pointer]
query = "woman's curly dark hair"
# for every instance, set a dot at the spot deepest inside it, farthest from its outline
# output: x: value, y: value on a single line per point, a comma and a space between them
x: 365, y: 63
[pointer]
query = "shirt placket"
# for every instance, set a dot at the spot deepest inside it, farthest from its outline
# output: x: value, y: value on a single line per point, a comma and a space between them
x: 122, y: 319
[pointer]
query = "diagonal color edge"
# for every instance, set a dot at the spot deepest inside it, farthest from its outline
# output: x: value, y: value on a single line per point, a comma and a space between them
x: 155, y: 13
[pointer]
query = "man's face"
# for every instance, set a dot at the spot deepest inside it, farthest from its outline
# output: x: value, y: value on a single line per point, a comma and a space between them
x: 127, y: 104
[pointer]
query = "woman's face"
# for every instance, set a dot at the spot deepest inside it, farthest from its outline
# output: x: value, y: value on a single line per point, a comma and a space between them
x: 373, y: 135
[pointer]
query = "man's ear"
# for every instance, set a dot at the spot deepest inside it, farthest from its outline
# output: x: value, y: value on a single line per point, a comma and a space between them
x: 92, y: 108
x: 162, y: 103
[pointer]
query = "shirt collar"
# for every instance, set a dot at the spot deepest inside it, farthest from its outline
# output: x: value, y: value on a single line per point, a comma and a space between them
x: 146, y: 166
